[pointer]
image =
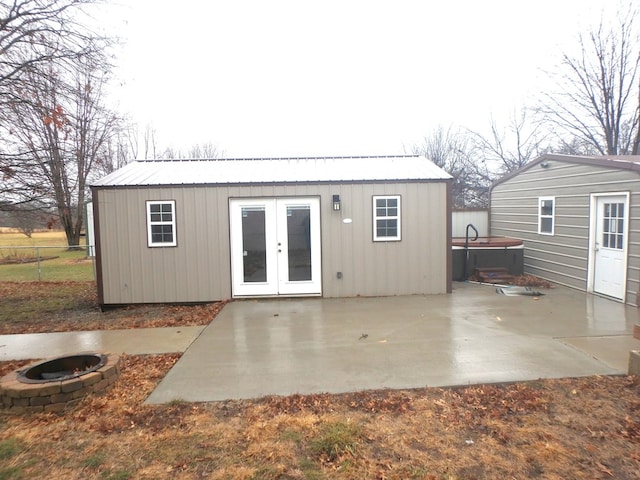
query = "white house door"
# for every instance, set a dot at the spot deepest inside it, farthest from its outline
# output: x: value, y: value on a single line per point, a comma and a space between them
x: 275, y: 246
x: 610, y: 256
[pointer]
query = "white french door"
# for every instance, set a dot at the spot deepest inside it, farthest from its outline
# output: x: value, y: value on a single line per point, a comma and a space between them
x: 275, y: 246
x: 610, y: 248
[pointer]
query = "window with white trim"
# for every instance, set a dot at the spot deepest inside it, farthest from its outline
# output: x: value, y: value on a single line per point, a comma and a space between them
x: 546, y: 215
x: 161, y: 223
x: 386, y: 218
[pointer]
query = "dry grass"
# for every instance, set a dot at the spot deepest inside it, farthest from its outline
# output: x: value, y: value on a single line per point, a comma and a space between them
x: 579, y: 429
x: 34, y: 307
x: 585, y: 428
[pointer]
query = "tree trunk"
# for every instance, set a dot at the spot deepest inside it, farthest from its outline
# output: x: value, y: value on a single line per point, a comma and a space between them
x: 635, y: 147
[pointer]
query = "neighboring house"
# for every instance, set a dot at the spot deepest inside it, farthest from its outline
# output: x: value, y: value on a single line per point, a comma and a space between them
x: 177, y: 231
x: 579, y: 218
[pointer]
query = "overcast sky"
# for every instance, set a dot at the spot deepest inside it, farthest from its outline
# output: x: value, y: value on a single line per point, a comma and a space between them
x: 312, y: 78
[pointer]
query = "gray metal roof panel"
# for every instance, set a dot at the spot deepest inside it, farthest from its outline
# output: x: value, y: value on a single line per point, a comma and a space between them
x: 273, y: 170
x: 623, y: 162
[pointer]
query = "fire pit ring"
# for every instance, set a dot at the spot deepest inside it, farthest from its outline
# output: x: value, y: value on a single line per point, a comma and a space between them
x: 61, y: 368
x: 53, y: 385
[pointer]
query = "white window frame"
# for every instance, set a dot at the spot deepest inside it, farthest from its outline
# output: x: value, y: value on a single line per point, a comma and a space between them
x: 397, y: 217
x: 151, y: 223
x: 541, y: 216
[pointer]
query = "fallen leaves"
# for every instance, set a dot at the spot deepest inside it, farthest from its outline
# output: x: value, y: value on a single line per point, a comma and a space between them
x: 531, y: 281
x: 34, y: 307
x: 471, y: 404
x: 534, y: 429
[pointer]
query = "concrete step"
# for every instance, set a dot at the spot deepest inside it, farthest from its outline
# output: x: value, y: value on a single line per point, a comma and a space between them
x: 493, y: 275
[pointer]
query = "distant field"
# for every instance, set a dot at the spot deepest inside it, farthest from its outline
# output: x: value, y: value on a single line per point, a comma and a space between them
x: 69, y: 265
x: 54, y: 238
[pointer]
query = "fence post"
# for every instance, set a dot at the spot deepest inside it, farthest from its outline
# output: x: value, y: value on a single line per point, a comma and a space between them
x: 39, y: 269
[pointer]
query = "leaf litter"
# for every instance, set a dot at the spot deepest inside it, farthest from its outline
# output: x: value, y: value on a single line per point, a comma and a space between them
x: 585, y: 428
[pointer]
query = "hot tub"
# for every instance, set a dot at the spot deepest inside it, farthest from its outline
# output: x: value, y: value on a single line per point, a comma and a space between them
x: 487, y: 252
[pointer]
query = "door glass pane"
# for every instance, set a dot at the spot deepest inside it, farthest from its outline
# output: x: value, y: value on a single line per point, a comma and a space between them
x: 254, y: 249
x: 299, y: 241
x: 613, y: 226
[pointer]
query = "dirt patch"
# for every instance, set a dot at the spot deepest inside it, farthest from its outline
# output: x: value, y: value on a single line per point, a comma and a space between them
x: 14, y: 260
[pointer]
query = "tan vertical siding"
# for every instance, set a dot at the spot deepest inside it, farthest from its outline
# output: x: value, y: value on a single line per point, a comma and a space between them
x: 194, y: 271
x: 199, y: 270
x: 563, y: 257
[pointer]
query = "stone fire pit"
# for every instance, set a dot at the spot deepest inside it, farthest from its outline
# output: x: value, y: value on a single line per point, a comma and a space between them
x: 53, y: 385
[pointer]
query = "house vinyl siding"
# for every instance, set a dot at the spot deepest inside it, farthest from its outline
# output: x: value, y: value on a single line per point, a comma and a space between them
x: 564, y: 256
x: 198, y: 268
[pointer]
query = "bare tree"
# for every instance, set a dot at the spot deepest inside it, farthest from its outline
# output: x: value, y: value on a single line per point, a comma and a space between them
x: 27, y: 220
x: 453, y: 151
x: 55, y: 136
x: 122, y: 146
x: 511, y: 147
x: 150, y: 144
x: 597, y: 91
x: 34, y: 33
x: 205, y: 151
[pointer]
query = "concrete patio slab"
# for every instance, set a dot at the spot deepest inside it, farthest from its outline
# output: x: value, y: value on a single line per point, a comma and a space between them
x: 133, y: 341
x: 285, y: 346
x: 613, y: 350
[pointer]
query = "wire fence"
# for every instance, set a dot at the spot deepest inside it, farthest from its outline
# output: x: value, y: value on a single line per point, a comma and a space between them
x: 47, y: 263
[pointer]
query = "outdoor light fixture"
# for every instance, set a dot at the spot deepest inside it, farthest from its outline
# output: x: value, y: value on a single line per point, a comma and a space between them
x: 336, y: 203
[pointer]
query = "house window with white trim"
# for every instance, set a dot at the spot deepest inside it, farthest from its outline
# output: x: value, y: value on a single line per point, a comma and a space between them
x: 161, y: 223
x: 546, y: 215
x: 386, y: 218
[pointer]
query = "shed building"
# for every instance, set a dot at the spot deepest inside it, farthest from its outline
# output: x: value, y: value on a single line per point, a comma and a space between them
x: 180, y: 231
x: 579, y: 218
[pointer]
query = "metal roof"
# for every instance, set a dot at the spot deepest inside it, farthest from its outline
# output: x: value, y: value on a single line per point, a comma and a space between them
x: 622, y: 162
x: 273, y: 170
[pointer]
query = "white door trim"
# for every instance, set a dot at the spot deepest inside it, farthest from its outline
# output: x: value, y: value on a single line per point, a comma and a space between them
x: 276, y: 239
x: 238, y: 286
x: 593, y: 227
x: 306, y: 287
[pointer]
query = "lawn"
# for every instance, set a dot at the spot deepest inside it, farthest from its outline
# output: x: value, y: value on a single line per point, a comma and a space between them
x: 586, y: 428
x: 19, y: 258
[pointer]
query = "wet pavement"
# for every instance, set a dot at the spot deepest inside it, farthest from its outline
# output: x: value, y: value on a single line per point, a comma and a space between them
x: 285, y: 346
x: 134, y: 342
x: 309, y: 345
